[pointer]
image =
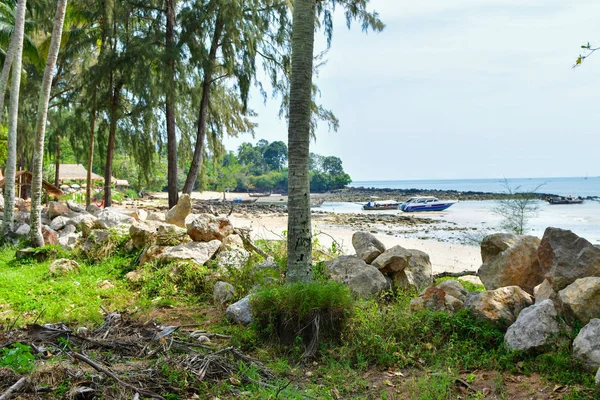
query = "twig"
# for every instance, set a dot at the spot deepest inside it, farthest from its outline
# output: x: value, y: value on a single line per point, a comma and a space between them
x: 99, y: 368
x: 454, y: 274
x: 282, y: 388
x: 249, y: 244
x: 13, y: 389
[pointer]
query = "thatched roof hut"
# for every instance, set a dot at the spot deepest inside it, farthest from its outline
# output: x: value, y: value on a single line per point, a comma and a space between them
x: 75, y: 172
x: 26, y: 181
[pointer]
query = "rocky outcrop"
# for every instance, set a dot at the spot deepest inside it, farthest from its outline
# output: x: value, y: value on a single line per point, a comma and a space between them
x: 240, y: 312
x: 581, y: 299
x: 367, y: 246
x: 223, y: 293
x: 233, y: 257
x: 364, y: 280
x: 207, y: 227
x: 196, y: 252
x: 142, y: 235
x: 516, y: 265
x: 176, y: 215
x: 493, y: 245
x: 63, y: 266
x: 75, y: 207
x: 448, y: 296
x: 566, y: 257
x: 408, y: 268
x: 535, y: 327
x: 586, y: 346
x: 501, y: 306
x: 59, y: 222
x: 55, y: 209
x: 544, y: 291
x: 110, y: 218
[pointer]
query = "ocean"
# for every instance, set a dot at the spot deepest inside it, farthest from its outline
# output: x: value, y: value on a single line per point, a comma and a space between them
x: 577, y: 186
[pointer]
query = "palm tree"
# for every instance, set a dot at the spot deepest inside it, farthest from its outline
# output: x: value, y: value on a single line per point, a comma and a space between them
x: 11, y: 160
x: 170, y: 8
x: 299, y: 263
x: 40, y: 128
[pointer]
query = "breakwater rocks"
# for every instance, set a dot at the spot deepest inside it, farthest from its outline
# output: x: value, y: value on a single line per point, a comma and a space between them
x: 362, y: 194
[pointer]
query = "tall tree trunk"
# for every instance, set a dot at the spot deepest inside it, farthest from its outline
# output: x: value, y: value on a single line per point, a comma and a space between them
x: 88, y: 188
x: 170, y: 105
x: 40, y: 127
x: 10, y: 55
x: 11, y: 159
x: 112, y: 133
x: 299, y: 262
x: 57, y: 162
x: 203, y: 113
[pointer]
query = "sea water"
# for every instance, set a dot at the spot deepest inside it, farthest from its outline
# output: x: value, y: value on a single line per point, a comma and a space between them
x: 478, y: 216
x: 578, y: 186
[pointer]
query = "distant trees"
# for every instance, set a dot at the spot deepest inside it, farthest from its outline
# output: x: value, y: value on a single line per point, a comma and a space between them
x: 517, y: 208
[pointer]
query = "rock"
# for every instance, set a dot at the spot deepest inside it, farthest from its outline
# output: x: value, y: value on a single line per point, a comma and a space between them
x: 177, y: 214
x: 223, y: 293
x: 156, y: 216
x: 492, y: 245
x: 75, y: 207
x: 68, y: 242
x: 232, y: 258
x: 598, y: 377
x: 454, y: 288
x: 23, y: 230
x: 106, y: 284
x: 408, y: 268
x: 581, y: 299
x: 544, y: 291
x: 97, y: 238
x: 394, y: 259
x: 59, y: 222
x: 517, y: 265
x: 535, y: 327
x: 240, y: 312
x: 586, y: 346
x: 566, y: 257
x: 93, y: 209
x: 22, y: 205
x: 367, y: 246
x: 171, y: 235
x: 206, y: 227
x: 55, y: 209
x: 138, y: 214
x: 84, y: 222
x: 50, y: 235
x: 63, y: 266
x: 67, y: 230
x: 151, y: 254
x: 197, y: 252
x: 142, y: 234
x: 22, y: 216
x: 448, y: 296
x: 110, y: 218
x: 232, y: 241
x: 364, y: 280
x: 134, y: 276
x: 501, y: 306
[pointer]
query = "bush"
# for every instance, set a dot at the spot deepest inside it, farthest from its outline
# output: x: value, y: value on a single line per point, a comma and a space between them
x: 286, y: 312
x: 18, y: 357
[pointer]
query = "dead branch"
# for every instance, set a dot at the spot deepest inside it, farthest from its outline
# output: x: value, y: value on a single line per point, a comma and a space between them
x: 99, y: 368
x: 454, y: 274
x: 248, y: 243
x: 13, y: 389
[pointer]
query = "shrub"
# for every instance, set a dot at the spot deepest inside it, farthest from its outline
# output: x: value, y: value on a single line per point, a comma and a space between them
x: 286, y: 312
x: 18, y: 357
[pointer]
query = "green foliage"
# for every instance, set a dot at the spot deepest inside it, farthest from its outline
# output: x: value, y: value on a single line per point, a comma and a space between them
x: 288, y: 309
x: 174, y: 280
x: 469, y: 286
x: 18, y: 357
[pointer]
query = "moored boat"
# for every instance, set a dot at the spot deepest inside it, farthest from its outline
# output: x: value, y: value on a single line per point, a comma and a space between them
x: 565, y: 200
x: 381, y: 205
x: 426, y: 203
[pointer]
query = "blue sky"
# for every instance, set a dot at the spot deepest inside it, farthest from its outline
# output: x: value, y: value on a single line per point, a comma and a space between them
x: 459, y: 89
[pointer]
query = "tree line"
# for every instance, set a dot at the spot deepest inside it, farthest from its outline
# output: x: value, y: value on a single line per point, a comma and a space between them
x: 263, y: 168
x: 160, y: 80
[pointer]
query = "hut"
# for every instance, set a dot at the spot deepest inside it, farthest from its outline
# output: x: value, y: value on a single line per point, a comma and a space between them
x: 23, y: 182
x: 75, y: 172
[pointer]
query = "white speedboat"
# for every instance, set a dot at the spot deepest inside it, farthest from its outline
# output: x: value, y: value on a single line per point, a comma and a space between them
x: 426, y: 203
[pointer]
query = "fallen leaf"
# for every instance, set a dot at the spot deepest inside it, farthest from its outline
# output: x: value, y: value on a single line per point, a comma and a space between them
x: 559, y: 388
x: 234, y: 381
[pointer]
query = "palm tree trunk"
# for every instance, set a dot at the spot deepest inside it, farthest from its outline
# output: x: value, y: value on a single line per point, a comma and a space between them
x: 40, y: 127
x: 170, y: 105
x: 57, y: 162
x: 11, y: 159
x: 203, y: 113
x: 299, y: 262
x: 88, y: 188
x: 10, y: 55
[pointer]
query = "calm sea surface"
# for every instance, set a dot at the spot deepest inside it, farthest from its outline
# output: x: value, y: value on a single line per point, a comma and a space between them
x: 582, y: 186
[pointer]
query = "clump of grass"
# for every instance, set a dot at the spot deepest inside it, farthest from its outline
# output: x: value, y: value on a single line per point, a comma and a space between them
x: 174, y: 280
x: 287, y: 312
x: 469, y: 286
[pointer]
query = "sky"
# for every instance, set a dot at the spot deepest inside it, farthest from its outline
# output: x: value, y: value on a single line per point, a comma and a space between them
x: 459, y: 89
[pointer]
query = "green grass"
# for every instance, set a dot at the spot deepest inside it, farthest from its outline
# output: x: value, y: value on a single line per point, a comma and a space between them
x: 27, y: 289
